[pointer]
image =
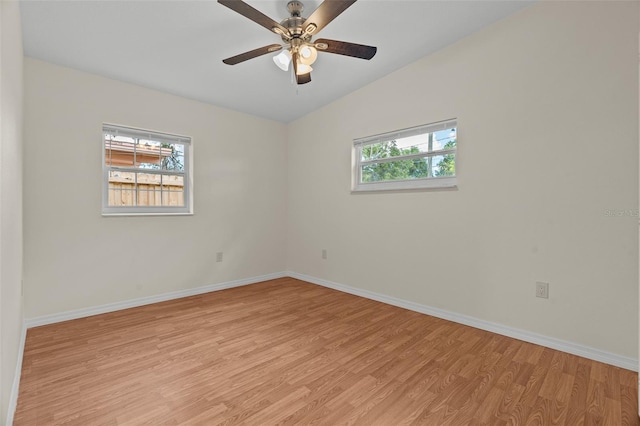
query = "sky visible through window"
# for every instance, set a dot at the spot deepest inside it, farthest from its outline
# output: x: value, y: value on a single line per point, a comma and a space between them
x: 421, y: 142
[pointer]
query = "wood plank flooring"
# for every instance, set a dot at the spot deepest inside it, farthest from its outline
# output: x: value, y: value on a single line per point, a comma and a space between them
x: 289, y: 352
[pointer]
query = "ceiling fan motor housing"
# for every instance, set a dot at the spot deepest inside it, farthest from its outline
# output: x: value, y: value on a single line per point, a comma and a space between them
x: 295, y: 21
x: 295, y: 7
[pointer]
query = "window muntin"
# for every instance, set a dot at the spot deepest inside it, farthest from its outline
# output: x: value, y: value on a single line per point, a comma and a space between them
x: 419, y: 157
x: 145, y: 172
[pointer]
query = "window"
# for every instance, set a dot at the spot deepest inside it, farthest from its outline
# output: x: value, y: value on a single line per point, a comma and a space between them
x: 145, y: 172
x: 419, y: 157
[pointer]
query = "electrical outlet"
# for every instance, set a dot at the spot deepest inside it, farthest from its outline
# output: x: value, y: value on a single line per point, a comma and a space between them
x: 542, y: 290
x: 219, y: 256
x: 324, y: 254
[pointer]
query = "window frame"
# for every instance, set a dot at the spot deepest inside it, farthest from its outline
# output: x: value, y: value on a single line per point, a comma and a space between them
x: 185, y: 141
x: 394, y: 185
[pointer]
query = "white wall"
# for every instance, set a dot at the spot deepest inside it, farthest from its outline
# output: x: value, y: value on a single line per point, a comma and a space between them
x: 547, y: 106
x: 75, y: 258
x: 11, y: 60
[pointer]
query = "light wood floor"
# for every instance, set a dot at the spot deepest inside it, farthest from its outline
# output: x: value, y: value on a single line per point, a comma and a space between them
x: 289, y: 352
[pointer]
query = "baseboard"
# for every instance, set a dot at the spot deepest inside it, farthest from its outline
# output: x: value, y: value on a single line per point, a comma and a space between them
x: 132, y: 303
x: 15, y: 388
x: 527, y: 336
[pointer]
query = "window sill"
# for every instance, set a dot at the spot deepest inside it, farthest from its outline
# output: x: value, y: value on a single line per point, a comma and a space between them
x: 146, y: 214
x: 411, y: 185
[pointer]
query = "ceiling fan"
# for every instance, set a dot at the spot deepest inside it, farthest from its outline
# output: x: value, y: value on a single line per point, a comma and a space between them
x: 296, y: 33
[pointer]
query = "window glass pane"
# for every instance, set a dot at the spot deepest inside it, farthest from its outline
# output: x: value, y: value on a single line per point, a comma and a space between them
x: 148, y: 189
x: 426, y: 142
x: 444, y: 165
x: 118, y: 151
x: 123, y: 151
x: 415, y: 144
x: 120, y: 190
x: 121, y: 194
x: 117, y: 176
x: 383, y: 150
x: 173, y: 191
x: 445, y: 139
x: 148, y: 154
x: 416, y: 168
x: 173, y: 157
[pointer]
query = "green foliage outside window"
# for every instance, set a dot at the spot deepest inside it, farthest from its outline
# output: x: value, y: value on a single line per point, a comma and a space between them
x: 447, y: 167
x: 416, y: 168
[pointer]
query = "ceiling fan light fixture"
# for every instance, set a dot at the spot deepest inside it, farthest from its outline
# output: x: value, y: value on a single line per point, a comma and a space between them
x: 308, y: 55
x: 296, y: 33
x: 282, y: 60
x: 303, y: 69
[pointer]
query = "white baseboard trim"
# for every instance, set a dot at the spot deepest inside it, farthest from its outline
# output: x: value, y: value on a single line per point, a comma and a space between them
x: 111, y: 307
x: 527, y: 336
x: 15, y: 388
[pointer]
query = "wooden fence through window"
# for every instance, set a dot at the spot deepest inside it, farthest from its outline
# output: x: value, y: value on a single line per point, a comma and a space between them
x: 152, y: 190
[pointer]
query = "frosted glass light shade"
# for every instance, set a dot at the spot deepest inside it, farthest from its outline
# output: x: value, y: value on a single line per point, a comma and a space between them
x: 282, y: 60
x: 303, y: 69
x: 308, y: 55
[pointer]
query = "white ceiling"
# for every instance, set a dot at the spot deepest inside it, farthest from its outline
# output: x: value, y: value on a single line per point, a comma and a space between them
x: 178, y: 46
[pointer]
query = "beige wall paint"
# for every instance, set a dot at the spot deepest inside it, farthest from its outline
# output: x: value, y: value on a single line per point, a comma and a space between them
x: 75, y: 258
x: 547, y: 106
x: 536, y: 109
x: 11, y: 95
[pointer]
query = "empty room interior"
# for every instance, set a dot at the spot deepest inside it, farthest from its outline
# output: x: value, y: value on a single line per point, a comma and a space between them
x: 340, y: 212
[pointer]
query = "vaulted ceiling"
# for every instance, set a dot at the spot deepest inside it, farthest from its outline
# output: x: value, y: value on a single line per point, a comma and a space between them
x: 178, y: 46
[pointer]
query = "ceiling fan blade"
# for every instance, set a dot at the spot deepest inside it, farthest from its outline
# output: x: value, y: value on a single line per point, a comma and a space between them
x: 325, y: 13
x: 294, y: 61
x: 344, y: 48
x: 302, y: 78
x: 252, y: 54
x: 256, y: 16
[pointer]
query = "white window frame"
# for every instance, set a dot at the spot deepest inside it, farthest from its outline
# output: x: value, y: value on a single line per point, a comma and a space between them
x: 424, y: 183
x: 186, y: 141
